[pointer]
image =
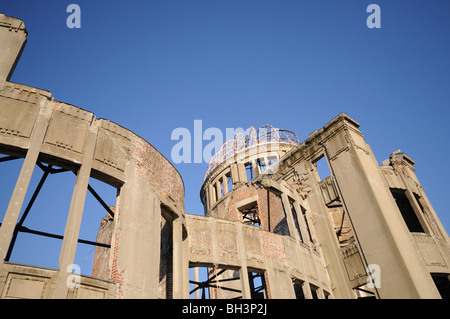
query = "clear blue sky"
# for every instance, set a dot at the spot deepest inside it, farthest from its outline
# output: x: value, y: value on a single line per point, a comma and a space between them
x: 153, y: 66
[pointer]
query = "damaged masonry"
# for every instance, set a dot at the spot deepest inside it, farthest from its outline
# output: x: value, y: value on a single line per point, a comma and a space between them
x: 273, y: 226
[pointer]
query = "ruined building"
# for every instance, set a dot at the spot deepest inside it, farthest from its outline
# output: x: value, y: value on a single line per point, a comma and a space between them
x: 273, y: 227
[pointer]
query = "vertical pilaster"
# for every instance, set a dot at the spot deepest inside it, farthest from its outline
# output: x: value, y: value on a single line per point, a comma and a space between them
x: 71, y: 232
x: 372, y: 211
x: 178, y: 264
x: 243, y: 270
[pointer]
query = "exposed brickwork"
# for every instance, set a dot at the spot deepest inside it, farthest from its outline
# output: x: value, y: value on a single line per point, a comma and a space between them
x: 100, y: 267
x: 271, y: 210
x: 157, y: 171
x: 272, y: 245
x: 116, y: 275
x: 270, y: 207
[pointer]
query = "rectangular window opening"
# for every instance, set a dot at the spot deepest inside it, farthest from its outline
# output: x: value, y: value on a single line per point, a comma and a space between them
x: 222, y: 187
x: 322, y: 168
x: 298, y: 289
x: 214, y: 194
x: 314, y: 292
x: 262, y: 165
x: 10, y: 168
x: 295, y: 217
x: 97, y: 226
x: 407, y: 211
x: 442, y: 282
x: 208, y: 282
x: 250, y: 214
x: 257, y: 282
x: 229, y: 182
x: 37, y: 239
x: 249, y: 171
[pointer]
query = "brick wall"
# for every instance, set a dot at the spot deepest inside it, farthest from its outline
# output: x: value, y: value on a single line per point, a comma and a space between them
x: 157, y: 171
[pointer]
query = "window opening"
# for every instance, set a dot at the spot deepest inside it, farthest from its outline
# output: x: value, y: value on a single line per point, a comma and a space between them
x: 39, y: 217
x: 257, y: 283
x: 322, y: 168
x: 262, y: 165
x: 250, y: 214
x: 215, y: 283
x: 307, y: 224
x: 297, y: 226
x: 214, y: 195
x: 407, y: 211
x: 229, y: 182
x: 249, y: 171
x: 314, y: 292
x: 10, y: 167
x: 222, y: 187
x: 96, y: 226
x: 298, y: 289
x: 442, y: 282
x: 44, y: 217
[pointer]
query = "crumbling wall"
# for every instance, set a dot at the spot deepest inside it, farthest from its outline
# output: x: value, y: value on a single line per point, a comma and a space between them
x: 101, y: 267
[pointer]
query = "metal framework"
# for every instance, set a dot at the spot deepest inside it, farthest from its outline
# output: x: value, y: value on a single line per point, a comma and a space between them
x: 256, y: 291
x: 251, y: 216
x: 264, y: 135
x: 47, y: 170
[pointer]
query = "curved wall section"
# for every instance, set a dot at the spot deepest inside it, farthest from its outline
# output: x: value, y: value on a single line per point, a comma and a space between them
x: 41, y: 130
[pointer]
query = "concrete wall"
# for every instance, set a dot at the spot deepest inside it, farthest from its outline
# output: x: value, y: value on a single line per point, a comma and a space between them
x: 227, y: 244
x: 13, y: 36
x: 38, y: 128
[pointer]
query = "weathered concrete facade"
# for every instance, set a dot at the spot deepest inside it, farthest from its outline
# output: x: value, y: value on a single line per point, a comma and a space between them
x: 272, y: 228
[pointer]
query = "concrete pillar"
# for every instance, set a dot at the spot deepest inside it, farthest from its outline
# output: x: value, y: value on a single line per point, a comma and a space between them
x: 234, y: 173
x: 196, y: 278
x: 212, y: 195
x: 71, y: 232
x: 178, y: 264
x: 23, y: 181
x: 241, y: 172
x: 218, y: 189
x: 326, y: 235
x: 243, y: 270
x: 372, y: 213
x: 137, y: 238
x: 225, y: 184
x: 307, y: 290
